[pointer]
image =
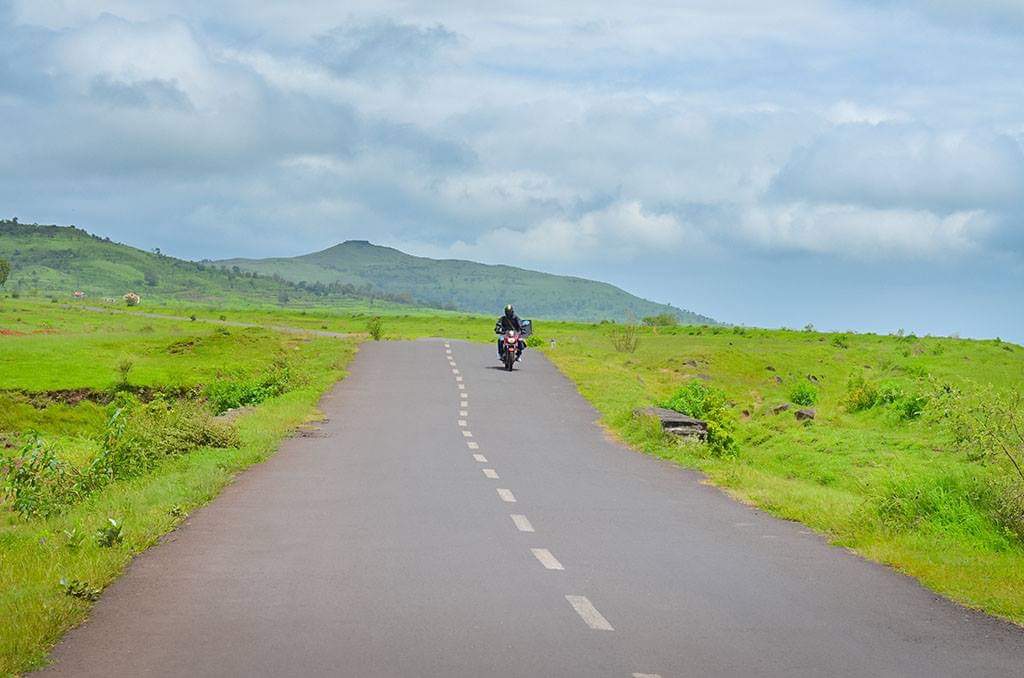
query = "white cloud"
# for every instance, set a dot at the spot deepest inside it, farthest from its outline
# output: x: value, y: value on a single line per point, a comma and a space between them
x: 619, y: 232
x: 892, y: 165
x: 855, y: 232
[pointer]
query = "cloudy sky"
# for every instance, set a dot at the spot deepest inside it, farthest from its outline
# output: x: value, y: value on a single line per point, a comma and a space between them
x: 856, y: 165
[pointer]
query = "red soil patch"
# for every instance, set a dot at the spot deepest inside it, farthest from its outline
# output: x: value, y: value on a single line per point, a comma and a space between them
x: 10, y: 333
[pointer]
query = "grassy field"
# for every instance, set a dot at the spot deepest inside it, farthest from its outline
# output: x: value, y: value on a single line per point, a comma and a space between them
x: 59, y: 367
x: 885, y: 481
x: 879, y: 475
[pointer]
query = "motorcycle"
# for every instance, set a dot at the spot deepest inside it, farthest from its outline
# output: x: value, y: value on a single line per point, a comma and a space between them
x: 510, y: 349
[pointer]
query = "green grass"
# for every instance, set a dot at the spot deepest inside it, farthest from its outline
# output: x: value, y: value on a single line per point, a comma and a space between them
x: 38, y: 553
x: 892, y: 489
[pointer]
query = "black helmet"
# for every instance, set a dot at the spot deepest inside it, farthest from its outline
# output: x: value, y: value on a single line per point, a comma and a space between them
x: 509, y: 311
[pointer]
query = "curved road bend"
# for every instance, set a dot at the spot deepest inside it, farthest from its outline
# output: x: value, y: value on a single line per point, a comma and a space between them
x: 451, y: 519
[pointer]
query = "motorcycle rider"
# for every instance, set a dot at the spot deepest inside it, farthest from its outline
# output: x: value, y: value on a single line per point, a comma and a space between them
x: 510, y: 321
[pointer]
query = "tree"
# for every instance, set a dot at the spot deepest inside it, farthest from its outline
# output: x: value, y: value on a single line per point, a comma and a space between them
x: 5, y: 271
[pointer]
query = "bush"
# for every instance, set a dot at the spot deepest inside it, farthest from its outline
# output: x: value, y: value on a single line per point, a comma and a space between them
x: 890, y: 392
x: 227, y: 394
x: 625, y: 337
x: 36, y: 482
x: 860, y: 394
x: 697, y: 399
x: 841, y: 341
x: 375, y: 326
x: 910, y: 406
x: 661, y: 320
x: 534, y: 342
x: 804, y: 394
x: 138, y: 437
x: 110, y: 534
x: 989, y: 427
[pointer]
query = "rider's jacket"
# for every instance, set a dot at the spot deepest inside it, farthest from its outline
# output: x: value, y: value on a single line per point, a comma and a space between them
x: 512, y: 323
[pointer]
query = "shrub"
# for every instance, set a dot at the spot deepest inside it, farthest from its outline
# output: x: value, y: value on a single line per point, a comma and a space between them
x: 228, y: 394
x: 890, y: 392
x: 804, y: 394
x: 110, y: 534
x: 625, y: 337
x: 534, y: 342
x: 661, y: 320
x: 910, y: 406
x: 124, y: 366
x: 841, y: 341
x: 80, y: 589
x: 989, y: 427
x: 860, y: 394
x: 36, y: 482
x: 375, y: 326
x: 701, y: 401
x: 138, y: 437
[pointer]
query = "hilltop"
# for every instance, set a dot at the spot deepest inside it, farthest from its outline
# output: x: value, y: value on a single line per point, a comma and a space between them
x: 57, y: 260
x: 461, y: 285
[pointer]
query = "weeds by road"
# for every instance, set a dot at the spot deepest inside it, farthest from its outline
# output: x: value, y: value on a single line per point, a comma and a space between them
x: 99, y: 459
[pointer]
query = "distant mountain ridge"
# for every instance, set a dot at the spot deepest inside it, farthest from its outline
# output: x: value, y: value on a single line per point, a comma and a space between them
x: 59, y: 260
x: 461, y: 285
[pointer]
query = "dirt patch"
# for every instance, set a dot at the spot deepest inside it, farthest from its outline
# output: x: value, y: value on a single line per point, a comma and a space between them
x: 10, y: 333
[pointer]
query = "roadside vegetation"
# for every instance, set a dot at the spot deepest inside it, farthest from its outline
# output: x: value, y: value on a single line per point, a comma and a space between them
x: 109, y: 437
x: 908, y: 451
x: 913, y: 457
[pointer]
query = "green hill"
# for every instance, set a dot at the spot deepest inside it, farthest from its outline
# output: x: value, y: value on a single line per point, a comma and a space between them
x: 59, y: 260
x: 461, y: 285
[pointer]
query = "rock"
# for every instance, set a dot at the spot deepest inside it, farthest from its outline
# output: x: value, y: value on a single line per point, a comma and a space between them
x: 804, y: 414
x: 691, y: 362
x: 770, y: 368
x: 812, y: 378
x: 676, y: 423
x: 780, y: 408
x: 778, y: 379
x: 745, y: 414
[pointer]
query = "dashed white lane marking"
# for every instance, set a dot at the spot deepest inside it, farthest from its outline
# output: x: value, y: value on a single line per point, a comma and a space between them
x: 506, y: 495
x: 462, y: 423
x: 646, y: 675
x: 463, y: 413
x: 522, y: 523
x: 467, y: 434
x: 462, y: 387
x: 585, y: 609
x: 548, y: 560
x: 458, y: 378
x: 464, y: 403
x: 491, y: 473
x: 455, y: 371
x: 480, y: 458
x: 472, y: 445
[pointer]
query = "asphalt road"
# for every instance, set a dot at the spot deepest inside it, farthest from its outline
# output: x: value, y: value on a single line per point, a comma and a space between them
x: 452, y: 519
